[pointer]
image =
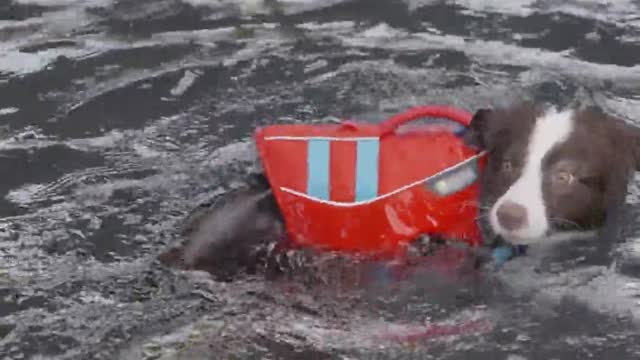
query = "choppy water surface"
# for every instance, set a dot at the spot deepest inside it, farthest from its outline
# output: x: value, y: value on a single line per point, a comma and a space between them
x: 118, y: 117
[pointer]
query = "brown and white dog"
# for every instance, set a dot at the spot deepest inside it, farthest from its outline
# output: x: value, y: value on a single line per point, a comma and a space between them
x: 551, y: 176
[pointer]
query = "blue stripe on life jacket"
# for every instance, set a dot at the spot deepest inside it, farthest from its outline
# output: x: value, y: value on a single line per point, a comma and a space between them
x: 318, y: 168
x: 367, y: 158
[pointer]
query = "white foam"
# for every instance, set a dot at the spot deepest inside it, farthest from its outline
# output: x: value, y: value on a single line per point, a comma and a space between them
x: 383, y: 31
x: 599, y: 288
x: 258, y: 7
x: 520, y: 7
x: 94, y: 297
x: 65, y: 17
x: 619, y: 11
x: 24, y: 195
x: 634, y: 248
x: 16, y: 25
x: 108, y: 140
x: 246, y: 7
x: 58, y: 3
x: 13, y: 61
x: 500, y: 53
x: 299, y: 6
x: 242, y: 151
x: 145, y: 151
x: 204, y: 36
x: 625, y: 108
x: 319, y: 64
x: 49, y: 2
x: 188, y: 79
x: 8, y: 111
x: 343, y: 26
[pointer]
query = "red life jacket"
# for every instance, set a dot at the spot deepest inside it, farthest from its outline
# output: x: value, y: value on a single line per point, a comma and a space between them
x: 362, y: 187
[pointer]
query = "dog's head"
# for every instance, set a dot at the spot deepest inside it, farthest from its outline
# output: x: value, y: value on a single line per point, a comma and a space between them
x: 551, y: 172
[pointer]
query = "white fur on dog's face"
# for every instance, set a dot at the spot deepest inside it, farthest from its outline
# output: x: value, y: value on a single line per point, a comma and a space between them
x: 550, y: 129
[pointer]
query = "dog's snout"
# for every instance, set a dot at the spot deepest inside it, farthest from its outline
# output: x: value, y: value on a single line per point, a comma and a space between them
x: 511, y: 215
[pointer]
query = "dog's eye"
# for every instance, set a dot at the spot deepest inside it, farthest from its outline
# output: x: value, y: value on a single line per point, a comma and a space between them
x: 564, y: 177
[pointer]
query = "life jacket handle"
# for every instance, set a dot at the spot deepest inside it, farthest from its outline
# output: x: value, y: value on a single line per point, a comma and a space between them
x: 460, y: 116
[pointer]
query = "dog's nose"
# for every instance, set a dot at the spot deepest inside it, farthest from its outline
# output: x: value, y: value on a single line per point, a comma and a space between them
x: 511, y: 215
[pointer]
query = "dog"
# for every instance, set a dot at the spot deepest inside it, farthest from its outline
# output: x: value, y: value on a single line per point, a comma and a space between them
x: 550, y: 176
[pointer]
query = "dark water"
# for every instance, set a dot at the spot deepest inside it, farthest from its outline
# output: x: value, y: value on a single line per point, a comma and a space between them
x: 118, y: 117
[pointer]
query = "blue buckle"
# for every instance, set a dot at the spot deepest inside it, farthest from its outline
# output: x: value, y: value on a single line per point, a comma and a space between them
x: 503, y: 254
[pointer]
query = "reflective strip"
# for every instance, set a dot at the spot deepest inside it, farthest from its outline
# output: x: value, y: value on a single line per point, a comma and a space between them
x: 383, y: 196
x: 367, y: 158
x: 318, y: 168
x: 305, y: 138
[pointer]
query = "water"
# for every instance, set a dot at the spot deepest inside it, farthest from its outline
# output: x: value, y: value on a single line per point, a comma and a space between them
x: 118, y: 117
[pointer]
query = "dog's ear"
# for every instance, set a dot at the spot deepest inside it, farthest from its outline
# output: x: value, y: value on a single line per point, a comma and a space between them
x: 626, y: 140
x: 634, y: 144
x: 478, y: 132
